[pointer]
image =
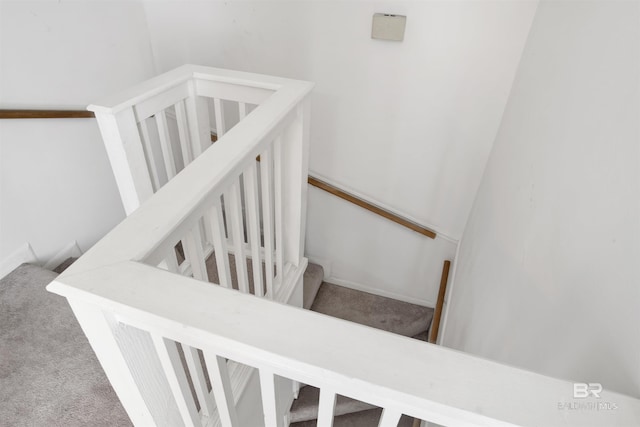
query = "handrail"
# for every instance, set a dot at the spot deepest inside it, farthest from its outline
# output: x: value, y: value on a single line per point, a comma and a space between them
x: 45, y: 114
x: 332, y: 189
x: 433, y: 336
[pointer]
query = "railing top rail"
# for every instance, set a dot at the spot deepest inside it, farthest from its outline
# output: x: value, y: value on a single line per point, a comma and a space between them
x: 149, y: 88
x: 419, y: 379
x: 147, y: 227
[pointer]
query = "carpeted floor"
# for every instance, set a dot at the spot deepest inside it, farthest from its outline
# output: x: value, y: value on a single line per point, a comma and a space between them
x: 49, y: 375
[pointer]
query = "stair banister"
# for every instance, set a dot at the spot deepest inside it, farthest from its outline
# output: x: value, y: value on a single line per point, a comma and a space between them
x: 139, y: 317
x: 124, y: 120
x: 396, y: 373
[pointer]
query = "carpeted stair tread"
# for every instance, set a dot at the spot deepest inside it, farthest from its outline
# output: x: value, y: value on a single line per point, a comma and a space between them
x: 313, y: 276
x: 305, y: 407
x: 368, y: 418
x: 311, y: 282
x: 65, y: 264
x: 49, y: 374
x: 391, y: 315
x: 367, y: 309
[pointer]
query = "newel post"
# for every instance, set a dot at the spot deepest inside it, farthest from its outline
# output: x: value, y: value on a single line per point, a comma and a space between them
x: 126, y: 155
x: 295, y: 142
x: 129, y: 360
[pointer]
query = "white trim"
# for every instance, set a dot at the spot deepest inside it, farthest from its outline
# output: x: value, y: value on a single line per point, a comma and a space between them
x: 439, y: 233
x: 447, y: 297
x: 20, y: 256
x: 293, y: 276
x: 72, y: 250
x: 380, y: 292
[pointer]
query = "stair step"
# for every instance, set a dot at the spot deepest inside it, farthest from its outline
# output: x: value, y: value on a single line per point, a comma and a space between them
x: 50, y: 375
x: 65, y: 264
x: 313, y: 276
x: 391, y: 315
x: 305, y: 407
x: 367, y: 418
x: 311, y: 282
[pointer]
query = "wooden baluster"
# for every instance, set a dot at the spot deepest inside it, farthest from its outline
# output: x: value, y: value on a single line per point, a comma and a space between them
x: 183, y: 132
x: 269, y: 404
x: 170, y: 262
x: 220, y: 125
x: 278, y: 189
x: 198, y: 120
x: 199, y: 381
x: 389, y: 418
x: 177, y: 379
x: 253, y: 219
x: 194, y: 253
x: 222, y: 391
x: 234, y: 210
x: 242, y: 110
x: 165, y: 144
x: 326, y: 407
x: 148, y: 154
x: 266, y: 178
x: 219, y: 242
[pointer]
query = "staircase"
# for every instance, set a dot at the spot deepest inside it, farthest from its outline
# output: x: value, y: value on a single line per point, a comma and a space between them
x: 174, y: 346
x: 367, y: 309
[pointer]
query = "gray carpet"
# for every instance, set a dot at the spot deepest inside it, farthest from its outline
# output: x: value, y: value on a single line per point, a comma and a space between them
x: 367, y: 309
x: 49, y: 375
x: 312, y: 280
x: 305, y: 407
x: 378, y: 312
x: 313, y: 276
x: 369, y: 418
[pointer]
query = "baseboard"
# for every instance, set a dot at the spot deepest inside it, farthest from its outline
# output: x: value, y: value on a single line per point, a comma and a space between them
x: 20, y: 256
x: 72, y: 250
x: 380, y: 292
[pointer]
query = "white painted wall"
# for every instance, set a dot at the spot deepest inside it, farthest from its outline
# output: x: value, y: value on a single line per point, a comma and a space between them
x: 548, y: 270
x: 407, y: 124
x: 56, y: 185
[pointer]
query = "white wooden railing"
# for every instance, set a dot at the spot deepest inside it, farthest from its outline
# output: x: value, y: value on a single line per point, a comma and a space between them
x: 173, y: 345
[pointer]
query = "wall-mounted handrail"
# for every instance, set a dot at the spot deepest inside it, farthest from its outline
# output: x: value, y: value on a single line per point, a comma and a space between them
x: 391, y: 216
x: 45, y: 114
x: 433, y: 336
